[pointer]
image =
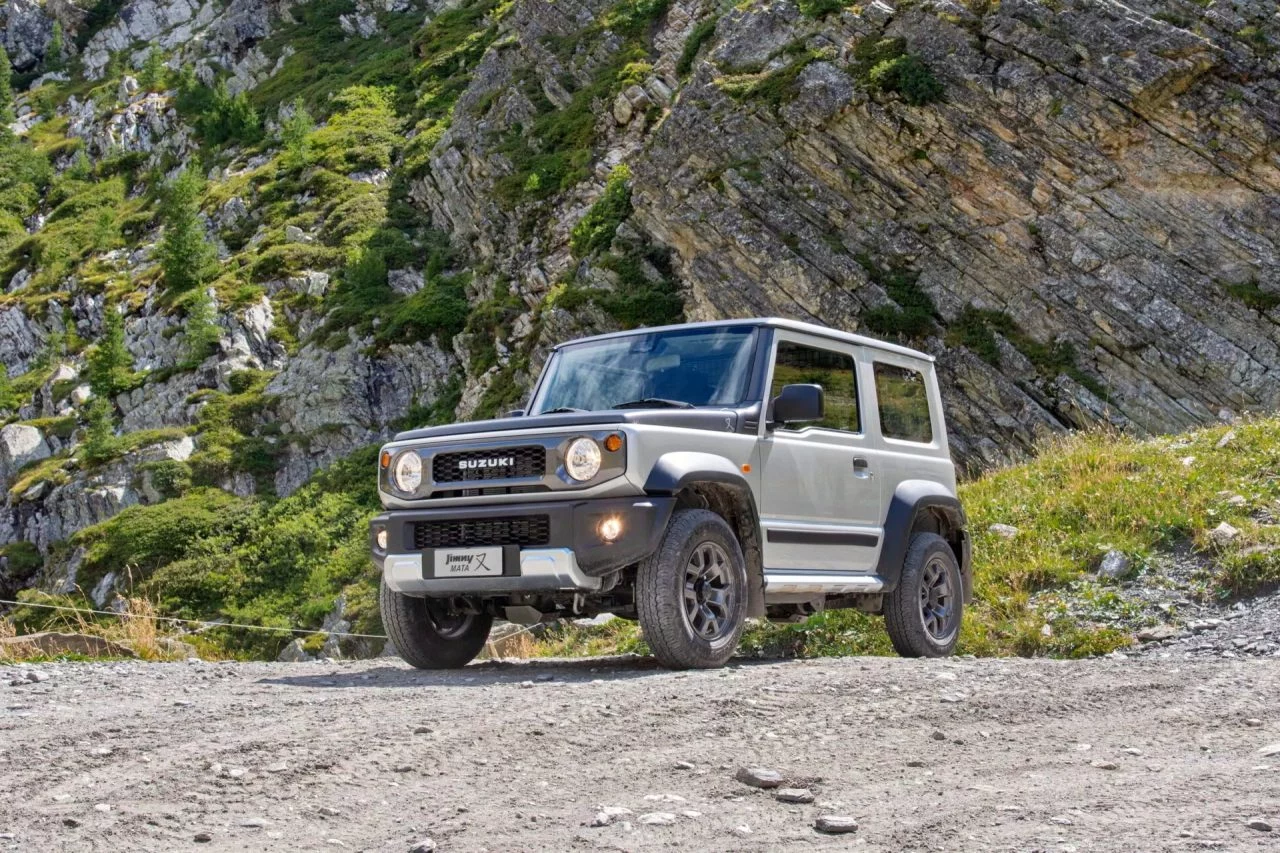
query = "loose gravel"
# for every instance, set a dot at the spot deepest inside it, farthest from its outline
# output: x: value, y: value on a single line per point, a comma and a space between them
x: 1095, y: 755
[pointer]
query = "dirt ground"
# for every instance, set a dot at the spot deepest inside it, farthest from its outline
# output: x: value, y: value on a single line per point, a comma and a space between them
x: 925, y: 755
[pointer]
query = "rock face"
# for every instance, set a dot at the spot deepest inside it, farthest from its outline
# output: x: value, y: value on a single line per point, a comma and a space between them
x: 25, y: 31
x: 332, y: 402
x: 1109, y: 205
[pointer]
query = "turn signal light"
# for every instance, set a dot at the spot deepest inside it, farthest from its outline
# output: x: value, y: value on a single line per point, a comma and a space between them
x: 613, y: 443
x: 386, y: 458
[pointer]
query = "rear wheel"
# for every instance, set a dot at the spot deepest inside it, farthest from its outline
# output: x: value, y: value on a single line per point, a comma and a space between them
x: 691, y: 593
x: 429, y: 633
x: 923, y: 613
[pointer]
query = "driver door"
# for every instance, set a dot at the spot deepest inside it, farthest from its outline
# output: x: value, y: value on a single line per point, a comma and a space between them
x: 820, y: 498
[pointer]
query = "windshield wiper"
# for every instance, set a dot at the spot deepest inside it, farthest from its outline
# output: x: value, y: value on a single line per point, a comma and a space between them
x: 563, y: 410
x: 654, y: 403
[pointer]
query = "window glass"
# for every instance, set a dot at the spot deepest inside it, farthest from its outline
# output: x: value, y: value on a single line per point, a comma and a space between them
x: 798, y: 364
x: 904, y: 403
x: 693, y: 366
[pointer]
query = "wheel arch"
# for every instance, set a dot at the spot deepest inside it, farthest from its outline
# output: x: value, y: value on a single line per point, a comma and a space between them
x: 708, y: 481
x: 924, y: 506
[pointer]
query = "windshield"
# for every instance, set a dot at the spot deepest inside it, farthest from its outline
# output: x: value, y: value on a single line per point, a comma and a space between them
x: 677, y: 368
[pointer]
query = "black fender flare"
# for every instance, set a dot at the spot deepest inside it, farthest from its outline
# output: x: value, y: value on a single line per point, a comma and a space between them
x: 674, y: 471
x: 680, y: 470
x: 909, y: 501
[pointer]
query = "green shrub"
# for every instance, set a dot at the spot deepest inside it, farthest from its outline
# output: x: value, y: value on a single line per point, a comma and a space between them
x: 638, y: 300
x: 440, y: 308
x: 972, y: 330
x: 24, y: 559
x: 1253, y: 296
x: 820, y: 8
x: 143, y: 538
x: 698, y: 36
x: 910, y: 77
x: 169, y: 477
x: 362, y: 132
x: 912, y: 315
x: 596, y: 229
x: 773, y: 88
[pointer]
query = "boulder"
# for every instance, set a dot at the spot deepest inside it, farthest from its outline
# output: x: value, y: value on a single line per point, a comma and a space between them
x: 53, y: 644
x: 20, y: 444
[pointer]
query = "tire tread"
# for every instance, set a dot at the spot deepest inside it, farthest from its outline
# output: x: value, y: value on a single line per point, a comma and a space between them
x: 901, y: 610
x: 411, y: 631
x: 661, y: 609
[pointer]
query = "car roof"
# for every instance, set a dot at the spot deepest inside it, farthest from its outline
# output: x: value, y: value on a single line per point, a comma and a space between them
x: 769, y: 322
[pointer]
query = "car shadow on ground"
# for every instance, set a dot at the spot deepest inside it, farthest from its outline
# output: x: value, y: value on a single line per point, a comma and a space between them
x: 490, y: 672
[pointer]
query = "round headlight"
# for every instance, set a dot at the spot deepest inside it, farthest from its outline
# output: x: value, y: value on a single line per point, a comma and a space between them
x: 582, y: 460
x: 406, y: 473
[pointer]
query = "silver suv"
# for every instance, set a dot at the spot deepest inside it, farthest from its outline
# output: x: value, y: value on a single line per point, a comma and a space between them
x: 689, y: 477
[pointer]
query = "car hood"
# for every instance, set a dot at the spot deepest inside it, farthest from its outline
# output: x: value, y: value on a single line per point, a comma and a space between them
x: 718, y: 420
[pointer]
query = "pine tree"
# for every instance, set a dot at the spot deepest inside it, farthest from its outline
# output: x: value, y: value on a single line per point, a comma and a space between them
x: 7, y: 116
x: 100, y: 433
x: 203, y: 331
x: 153, y: 74
x: 6, y: 390
x: 185, y: 254
x: 53, y: 59
x: 294, y: 132
x: 110, y: 365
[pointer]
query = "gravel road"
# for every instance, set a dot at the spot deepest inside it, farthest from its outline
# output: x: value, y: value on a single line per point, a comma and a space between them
x: 924, y: 755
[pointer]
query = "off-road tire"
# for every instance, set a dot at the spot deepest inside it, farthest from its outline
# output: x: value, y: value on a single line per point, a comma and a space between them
x: 904, y: 616
x: 661, y: 591
x: 419, y: 639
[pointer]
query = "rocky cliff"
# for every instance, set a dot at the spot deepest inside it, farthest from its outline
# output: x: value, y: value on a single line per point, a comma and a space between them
x: 1072, y: 203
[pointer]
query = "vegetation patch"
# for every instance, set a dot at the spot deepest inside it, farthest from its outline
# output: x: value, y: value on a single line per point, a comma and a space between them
x: 702, y: 33
x: 596, y: 229
x: 912, y: 317
x: 326, y: 60
x: 885, y: 65
x: 976, y: 329
x: 1254, y: 296
x: 555, y: 151
x: 776, y: 87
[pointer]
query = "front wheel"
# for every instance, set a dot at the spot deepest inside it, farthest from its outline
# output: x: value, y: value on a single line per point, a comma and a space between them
x: 428, y: 634
x: 691, y: 593
x: 923, y: 613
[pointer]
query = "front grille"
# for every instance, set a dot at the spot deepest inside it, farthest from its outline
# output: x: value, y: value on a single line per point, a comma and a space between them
x: 471, y: 465
x: 522, y: 530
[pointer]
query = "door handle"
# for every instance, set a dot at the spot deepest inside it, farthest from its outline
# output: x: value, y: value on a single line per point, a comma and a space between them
x: 862, y: 468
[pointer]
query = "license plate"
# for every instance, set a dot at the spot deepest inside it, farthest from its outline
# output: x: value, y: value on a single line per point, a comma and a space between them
x: 468, y: 562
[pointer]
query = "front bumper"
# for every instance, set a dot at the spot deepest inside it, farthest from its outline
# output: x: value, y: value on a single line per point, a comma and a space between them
x: 572, y: 557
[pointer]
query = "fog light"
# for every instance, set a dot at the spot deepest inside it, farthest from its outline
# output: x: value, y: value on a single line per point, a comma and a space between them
x: 610, y: 528
x: 380, y: 537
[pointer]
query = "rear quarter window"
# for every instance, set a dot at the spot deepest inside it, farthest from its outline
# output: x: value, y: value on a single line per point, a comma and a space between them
x: 903, y: 401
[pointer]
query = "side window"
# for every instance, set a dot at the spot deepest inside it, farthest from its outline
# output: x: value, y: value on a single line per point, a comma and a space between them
x: 798, y: 364
x: 903, y: 400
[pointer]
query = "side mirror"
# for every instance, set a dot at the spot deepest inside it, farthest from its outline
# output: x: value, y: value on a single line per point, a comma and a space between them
x: 515, y: 413
x: 797, y: 404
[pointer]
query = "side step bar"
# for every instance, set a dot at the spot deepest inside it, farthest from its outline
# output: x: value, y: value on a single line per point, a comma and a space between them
x: 790, y: 581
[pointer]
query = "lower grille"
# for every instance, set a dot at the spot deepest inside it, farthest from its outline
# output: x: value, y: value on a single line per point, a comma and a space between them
x: 523, y: 530
x: 501, y: 464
